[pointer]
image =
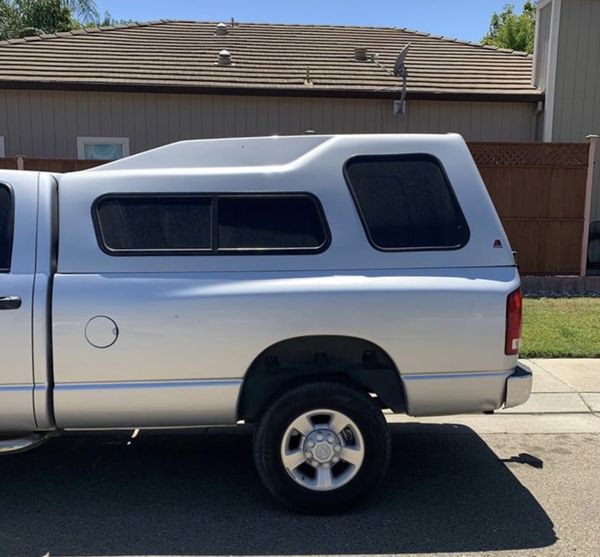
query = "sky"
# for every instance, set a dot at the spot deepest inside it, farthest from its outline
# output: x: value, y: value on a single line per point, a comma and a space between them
x: 462, y: 19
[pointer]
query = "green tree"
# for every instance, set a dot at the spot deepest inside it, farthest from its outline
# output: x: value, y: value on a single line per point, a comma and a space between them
x: 108, y: 19
x: 9, y: 21
x: 22, y: 18
x: 511, y: 30
x: 84, y: 10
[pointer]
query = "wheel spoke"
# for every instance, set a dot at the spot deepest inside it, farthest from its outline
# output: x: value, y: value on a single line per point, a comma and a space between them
x: 352, y: 455
x: 337, y: 422
x: 302, y: 425
x: 324, y: 478
x: 293, y: 459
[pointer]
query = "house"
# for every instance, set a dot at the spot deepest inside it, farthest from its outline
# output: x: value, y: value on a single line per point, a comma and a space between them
x: 113, y: 91
x: 138, y: 86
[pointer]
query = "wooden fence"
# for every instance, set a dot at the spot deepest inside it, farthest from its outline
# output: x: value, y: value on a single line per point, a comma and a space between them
x: 539, y: 190
x: 48, y: 165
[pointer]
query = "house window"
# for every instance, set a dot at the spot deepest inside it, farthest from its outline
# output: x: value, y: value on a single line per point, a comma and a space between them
x: 102, y: 148
x: 183, y: 224
x: 2, y: 151
x: 406, y: 203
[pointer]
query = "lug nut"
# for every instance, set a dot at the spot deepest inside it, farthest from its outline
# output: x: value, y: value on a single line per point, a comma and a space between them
x: 336, y: 459
x: 337, y: 448
x: 330, y: 439
x: 310, y: 444
x: 308, y: 455
x: 319, y: 437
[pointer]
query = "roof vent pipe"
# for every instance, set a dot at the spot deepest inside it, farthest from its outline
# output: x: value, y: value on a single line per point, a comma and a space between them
x: 224, y: 58
x: 222, y: 29
x: 360, y: 53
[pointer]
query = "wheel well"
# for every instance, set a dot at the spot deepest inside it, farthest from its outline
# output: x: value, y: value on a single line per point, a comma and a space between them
x: 301, y: 359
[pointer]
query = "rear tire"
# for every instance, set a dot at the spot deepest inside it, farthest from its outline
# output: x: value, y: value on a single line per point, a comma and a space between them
x: 322, y: 447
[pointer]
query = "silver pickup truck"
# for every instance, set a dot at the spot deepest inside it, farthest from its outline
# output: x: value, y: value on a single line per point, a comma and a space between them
x: 306, y: 284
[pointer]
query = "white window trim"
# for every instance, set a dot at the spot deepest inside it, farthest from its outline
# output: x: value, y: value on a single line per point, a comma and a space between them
x: 2, y: 151
x: 83, y: 141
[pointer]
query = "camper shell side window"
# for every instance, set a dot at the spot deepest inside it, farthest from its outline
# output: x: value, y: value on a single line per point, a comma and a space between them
x: 210, y: 224
x: 406, y: 203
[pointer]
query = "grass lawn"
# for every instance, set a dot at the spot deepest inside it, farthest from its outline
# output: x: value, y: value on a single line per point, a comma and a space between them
x: 561, y: 328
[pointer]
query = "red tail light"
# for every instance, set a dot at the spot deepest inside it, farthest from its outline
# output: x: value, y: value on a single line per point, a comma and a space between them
x: 514, y: 309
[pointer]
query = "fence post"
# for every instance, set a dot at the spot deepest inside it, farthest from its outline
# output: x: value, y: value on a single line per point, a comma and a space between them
x: 20, y: 163
x: 592, y: 140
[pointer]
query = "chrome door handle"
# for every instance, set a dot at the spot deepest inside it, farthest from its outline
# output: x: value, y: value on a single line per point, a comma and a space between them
x: 10, y: 302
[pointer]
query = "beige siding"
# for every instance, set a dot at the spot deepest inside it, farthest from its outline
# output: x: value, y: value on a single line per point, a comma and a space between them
x: 46, y: 124
x: 577, y: 102
x: 544, y: 18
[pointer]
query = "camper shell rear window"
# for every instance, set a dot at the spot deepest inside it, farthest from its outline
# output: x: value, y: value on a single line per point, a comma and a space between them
x: 406, y: 202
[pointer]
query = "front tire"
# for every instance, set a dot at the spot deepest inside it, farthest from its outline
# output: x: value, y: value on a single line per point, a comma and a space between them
x: 322, y: 447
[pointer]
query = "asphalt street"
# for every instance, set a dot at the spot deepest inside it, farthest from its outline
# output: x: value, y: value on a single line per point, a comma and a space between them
x: 525, y: 481
x: 449, y: 490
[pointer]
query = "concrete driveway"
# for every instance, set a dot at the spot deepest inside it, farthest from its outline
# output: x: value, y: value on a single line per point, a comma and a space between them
x: 508, y: 484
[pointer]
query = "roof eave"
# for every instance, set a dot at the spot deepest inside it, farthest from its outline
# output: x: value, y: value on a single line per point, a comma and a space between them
x: 439, y: 95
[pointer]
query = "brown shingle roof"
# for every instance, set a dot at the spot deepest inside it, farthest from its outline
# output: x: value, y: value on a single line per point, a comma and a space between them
x: 272, y: 58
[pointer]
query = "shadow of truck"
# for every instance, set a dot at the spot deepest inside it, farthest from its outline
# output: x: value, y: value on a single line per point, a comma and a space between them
x: 181, y: 494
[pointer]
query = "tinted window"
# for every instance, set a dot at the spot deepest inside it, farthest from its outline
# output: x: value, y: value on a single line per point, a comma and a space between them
x: 184, y: 223
x: 406, y: 202
x: 158, y: 223
x: 6, y: 228
x: 269, y: 222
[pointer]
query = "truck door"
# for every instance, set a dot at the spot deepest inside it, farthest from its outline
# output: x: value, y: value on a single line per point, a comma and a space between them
x: 18, y: 209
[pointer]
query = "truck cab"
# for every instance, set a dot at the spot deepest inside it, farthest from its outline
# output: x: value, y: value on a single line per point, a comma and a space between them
x: 27, y: 207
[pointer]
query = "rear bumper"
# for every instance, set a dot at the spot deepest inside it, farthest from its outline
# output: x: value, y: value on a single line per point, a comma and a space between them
x: 439, y: 394
x: 518, y: 386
